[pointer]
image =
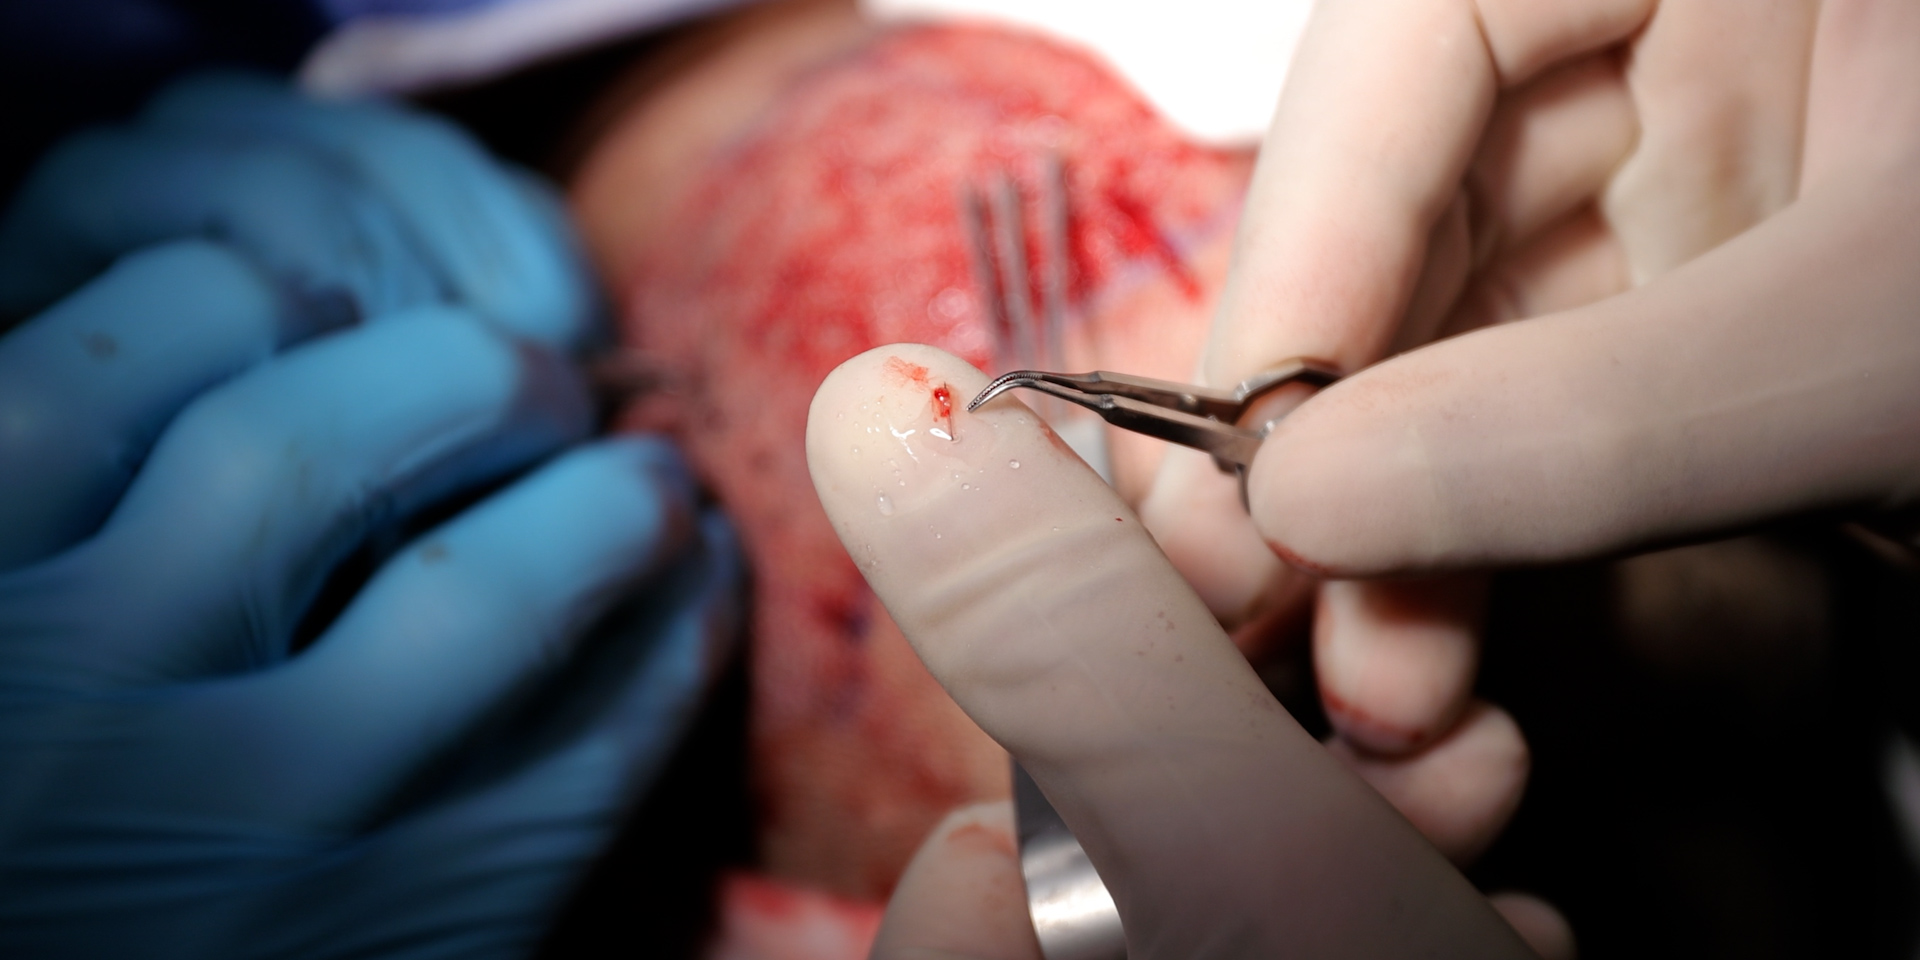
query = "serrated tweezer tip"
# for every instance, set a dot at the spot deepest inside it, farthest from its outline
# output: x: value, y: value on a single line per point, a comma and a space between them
x: 1001, y: 384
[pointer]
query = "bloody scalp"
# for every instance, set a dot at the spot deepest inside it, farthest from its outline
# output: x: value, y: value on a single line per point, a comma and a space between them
x: 830, y: 227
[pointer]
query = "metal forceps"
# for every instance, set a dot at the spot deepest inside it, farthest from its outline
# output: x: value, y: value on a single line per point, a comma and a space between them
x: 1219, y: 422
x: 996, y: 229
x: 1026, y: 297
x: 1073, y: 914
x: 1224, y: 423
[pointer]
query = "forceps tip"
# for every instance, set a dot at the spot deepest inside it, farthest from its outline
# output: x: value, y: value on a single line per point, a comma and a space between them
x: 1001, y: 384
x: 1049, y: 383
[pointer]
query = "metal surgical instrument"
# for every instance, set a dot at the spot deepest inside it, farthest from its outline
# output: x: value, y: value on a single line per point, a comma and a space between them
x: 1229, y: 424
x: 1073, y: 914
x: 1224, y: 423
x: 1024, y: 291
x: 1074, y: 917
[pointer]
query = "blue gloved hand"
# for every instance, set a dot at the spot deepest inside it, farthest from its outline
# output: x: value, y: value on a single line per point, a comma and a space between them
x: 190, y: 445
x: 391, y: 207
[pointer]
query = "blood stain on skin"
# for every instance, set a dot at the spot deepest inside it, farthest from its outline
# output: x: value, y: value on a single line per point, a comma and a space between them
x: 1141, y: 236
x: 848, y: 612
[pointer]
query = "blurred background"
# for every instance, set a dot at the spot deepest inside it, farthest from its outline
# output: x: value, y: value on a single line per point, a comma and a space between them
x: 1723, y: 734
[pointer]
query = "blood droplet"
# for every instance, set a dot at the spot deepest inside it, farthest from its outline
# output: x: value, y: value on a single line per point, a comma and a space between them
x: 943, y: 409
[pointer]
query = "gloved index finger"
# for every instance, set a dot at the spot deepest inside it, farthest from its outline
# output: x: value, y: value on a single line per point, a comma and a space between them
x: 456, y: 627
x: 107, y: 191
x: 89, y: 384
x: 1384, y: 105
x: 1037, y: 600
x: 497, y: 240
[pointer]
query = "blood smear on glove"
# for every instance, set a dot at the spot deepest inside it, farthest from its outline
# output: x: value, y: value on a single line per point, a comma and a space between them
x: 943, y: 412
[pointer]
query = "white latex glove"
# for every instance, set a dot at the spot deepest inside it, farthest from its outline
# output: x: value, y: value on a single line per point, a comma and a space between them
x: 1709, y: 209
x: 1768, y: 365
x: 1037, y: 599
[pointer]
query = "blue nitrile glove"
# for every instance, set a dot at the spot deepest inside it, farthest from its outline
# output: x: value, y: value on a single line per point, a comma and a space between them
x: 178, y: 784
x: 395, y: 208
x: 190, y: 444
